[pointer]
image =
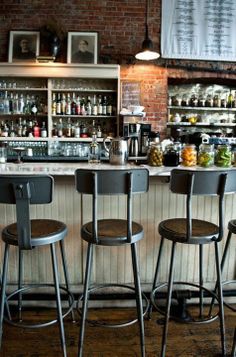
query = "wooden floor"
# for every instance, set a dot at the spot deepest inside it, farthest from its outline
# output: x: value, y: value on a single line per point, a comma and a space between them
x: 184, y: 340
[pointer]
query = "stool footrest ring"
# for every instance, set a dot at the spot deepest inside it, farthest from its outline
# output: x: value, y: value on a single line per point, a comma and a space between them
x: 192, y: 320
x: 39, y: 325
x: 110, y: 325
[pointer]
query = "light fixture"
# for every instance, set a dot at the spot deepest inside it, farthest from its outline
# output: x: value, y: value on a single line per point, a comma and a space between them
x: 147, y: 53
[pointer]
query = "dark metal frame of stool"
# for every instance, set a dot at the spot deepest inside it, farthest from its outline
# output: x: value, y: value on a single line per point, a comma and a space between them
x: 231, y: 230
x: 193, y: 231
x: 26, y: 234
x: 112, y: 232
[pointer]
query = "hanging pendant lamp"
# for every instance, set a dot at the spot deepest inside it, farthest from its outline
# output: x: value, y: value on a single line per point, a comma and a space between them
x: 147, y: 53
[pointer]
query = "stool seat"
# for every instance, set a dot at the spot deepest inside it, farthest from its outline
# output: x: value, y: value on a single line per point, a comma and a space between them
x: 112, y: 232
x: 175, y: 229
x: 43, y: 232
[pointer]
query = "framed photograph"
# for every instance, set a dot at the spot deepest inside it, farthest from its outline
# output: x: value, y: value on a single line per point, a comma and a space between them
x: 23, y: 46
x: 82, y: 47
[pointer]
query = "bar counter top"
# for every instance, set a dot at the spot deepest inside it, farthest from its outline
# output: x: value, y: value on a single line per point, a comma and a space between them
x: 68, y: 169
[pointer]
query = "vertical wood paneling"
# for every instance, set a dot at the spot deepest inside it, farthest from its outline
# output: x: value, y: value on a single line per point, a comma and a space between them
x: 113, y: 265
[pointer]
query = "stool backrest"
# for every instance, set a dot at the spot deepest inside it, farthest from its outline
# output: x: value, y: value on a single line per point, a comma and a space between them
x: 204, y: 183
x: 112, y: 182
x: 22, y: 191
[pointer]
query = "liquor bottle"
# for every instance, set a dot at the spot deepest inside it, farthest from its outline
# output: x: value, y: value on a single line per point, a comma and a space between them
x: 77, y: 106
x: 77, y: 130
x: 19, y: 130
x: 73, y: 104
x: 68, y: 104
x: 68, y: 129
x: 99, y: 132
x: 63, y: 104
x: 12, y: 132
x: 1, y: 103
x: 54, y: 104
x: 99, y: 105
x: 21, y: 104
x: 27, y: 107
x: 82, y: 107
x: 5, y: 131
x: 58, y: 105
x: 104, y: 105
x: 6, y: 104
x: 94, y: 150
x: 34, y: 109
x: 54, y: 130
x: 60, y: 128
x: 89, y: 106
x: 230, y: 100
x: 94, y: 107
x: 15, y: 104
x: 29, y: 132
x: 44, y: 132
x: 109, y: 106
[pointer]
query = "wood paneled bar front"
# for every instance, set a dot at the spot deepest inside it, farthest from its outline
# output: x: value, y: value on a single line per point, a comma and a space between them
x: 149, y: 209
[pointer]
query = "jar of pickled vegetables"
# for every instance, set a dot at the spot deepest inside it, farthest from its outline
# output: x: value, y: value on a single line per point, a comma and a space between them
x: 171, y: 155
x: 206, y: 155
x: 189, y: 155
x: 223, y: 157
x: 155, y: 155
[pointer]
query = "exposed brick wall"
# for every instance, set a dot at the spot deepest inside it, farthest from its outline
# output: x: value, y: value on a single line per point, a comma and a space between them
x: 120, y: 24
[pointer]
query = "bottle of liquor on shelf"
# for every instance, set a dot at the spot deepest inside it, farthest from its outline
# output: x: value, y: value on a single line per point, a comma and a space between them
x: 21, y: 104
x: 44, y: 132
x: 109, y: 106
x: 12, y: 132
x: 82, y: 106
x: 99, y: 105
x: 68, y: 129
x: 34, y: 109
x: 15, y: 103
x: 104, y: 105
x: 60, y: 128
x: 230, y: 100
x: 29, y: 132
x: 58, y: 106
x: 77, y: 130
x: 6, y: 104
x: 19, y: 130
x: 73, y: 104
x: 54, y: 130
x: 63, y: 104
x: 36, y: 130
x: 99, y: 132
x: 1, y: 103
x: 24, y: 128
x: 27, y: 107
x: 54, y: 104
x: 68, y: 104
x: 89, y: 106
x: 5, y: 130
x: 94, y: 106
x: 77, y: 106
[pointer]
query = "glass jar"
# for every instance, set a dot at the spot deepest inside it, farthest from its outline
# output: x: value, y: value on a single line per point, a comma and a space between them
x: 189, y: 155
x: 171, y: 155
x: 155, y: 155
x: 206, y: 155
x: 223, y: 157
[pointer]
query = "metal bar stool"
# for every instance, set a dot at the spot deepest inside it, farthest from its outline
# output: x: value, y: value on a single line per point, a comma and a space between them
x: 112, y: 232
x: 26, y: 234
x: 189, y: 230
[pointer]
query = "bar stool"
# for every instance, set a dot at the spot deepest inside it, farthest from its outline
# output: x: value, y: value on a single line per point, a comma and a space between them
x: 112, y: 232
x: 26, y: 234
x: 189, y: 230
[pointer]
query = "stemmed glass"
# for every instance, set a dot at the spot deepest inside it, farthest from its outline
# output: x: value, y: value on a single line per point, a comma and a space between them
x: 19, y: 150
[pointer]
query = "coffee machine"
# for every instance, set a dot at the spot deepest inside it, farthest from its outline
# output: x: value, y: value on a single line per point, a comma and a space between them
x: 137, y: 132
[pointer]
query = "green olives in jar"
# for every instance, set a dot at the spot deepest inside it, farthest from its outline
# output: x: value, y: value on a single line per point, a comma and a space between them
x: 155, y: 155
x: 223, y: 156
x: 206, y: 155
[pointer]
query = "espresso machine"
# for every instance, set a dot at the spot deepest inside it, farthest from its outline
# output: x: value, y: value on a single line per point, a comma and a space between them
x: 137, y: 132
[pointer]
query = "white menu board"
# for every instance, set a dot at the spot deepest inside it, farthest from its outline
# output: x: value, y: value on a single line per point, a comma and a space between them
x: 199, y: 29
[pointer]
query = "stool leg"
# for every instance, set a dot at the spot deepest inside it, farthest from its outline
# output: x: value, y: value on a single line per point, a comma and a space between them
x: 3, y: 289
x: 58, y: 298
x: 20, y: 264
x: 168, y: 305
x: 138, y: 295
x: 87, y: 277
x: 66, y: 275
x: 201, y: 278
x: 228, y: 240
x: 220, y: 298
x: 156, y: 275
x: 233, y: 352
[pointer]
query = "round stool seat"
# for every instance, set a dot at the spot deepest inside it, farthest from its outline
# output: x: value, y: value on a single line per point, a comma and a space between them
x: 112, y: 232
x: 43, y: 231
x: 203, y: 232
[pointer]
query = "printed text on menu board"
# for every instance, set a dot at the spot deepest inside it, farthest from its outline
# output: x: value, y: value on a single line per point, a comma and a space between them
x: 199, y: 29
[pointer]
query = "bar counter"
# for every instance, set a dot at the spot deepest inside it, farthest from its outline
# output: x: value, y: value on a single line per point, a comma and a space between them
x: 149, y: 209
